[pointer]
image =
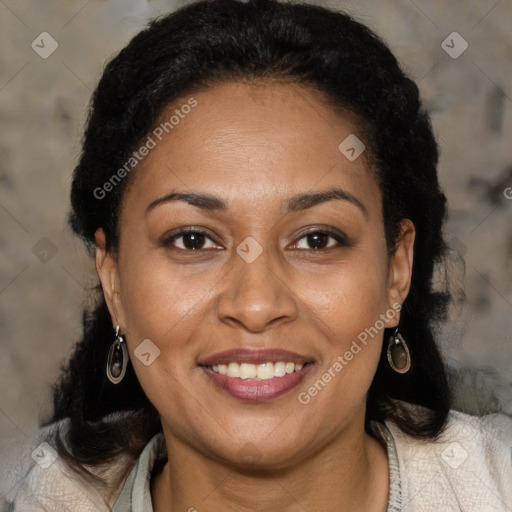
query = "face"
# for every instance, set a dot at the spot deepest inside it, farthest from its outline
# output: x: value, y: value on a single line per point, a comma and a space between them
x: 262, y: 265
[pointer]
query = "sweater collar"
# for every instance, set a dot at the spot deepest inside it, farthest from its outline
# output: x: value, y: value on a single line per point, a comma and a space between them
x: 135, y: 495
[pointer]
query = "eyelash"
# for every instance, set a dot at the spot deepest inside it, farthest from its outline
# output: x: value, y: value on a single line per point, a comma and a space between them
x: 340, y: 239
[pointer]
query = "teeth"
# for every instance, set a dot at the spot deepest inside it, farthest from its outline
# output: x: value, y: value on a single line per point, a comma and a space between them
x: 280, y: 369
x: 264, y: 371
x: 247, y: 371
x: 233, y: 370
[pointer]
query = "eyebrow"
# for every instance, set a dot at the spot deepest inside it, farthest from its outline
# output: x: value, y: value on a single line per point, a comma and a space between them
x: 296, y: 203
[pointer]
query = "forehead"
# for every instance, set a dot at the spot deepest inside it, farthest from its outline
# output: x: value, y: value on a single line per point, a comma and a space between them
x: 252, y: 143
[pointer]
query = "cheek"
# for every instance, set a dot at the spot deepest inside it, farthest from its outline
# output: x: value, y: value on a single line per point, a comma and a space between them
x: 158, y: 299
x: 351, y: 298
x: 349, y: 307
x: 165, y: 309
x: 163, y: 302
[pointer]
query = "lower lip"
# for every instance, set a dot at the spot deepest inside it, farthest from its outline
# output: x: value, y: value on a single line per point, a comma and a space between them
x: 257, y: 390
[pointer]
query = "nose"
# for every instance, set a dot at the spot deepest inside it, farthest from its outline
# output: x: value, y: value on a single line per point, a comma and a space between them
x: 256, y: 295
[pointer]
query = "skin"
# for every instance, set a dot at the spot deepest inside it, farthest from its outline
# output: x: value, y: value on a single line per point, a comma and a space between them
x: 254, y: 146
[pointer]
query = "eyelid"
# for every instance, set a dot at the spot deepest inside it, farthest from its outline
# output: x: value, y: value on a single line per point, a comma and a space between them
x: 167, y: 239
x: 340, y: 237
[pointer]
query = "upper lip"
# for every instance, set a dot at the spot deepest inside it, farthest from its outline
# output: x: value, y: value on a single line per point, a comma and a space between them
x: 254, y: 356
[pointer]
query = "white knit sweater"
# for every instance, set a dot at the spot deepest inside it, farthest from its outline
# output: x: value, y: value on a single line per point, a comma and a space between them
x: 469, y: 468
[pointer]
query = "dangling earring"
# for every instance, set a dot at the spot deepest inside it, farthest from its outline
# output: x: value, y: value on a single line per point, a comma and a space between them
x: 399, y: 357
x: 117, y: 359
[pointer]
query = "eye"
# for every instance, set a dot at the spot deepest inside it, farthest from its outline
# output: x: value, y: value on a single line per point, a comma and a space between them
x: 196, y: 240
x: 192, y: 240
x: 319, y: 240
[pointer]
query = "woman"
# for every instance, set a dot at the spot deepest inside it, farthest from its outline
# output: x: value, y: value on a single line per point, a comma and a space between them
x: 258, y: 180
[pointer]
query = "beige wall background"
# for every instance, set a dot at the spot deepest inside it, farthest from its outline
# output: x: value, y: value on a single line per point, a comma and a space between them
x: 45, y: 273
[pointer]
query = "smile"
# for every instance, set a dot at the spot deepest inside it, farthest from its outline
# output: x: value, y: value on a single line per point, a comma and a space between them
x: 256, y: 374
x: 263, y: 371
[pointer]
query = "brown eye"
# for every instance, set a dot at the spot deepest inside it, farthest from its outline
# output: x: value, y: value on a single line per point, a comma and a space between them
x: 318, y: 240
x: 192, y: 240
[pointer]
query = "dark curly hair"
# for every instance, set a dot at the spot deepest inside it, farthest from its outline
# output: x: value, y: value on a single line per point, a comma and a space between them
x: 196, y: 47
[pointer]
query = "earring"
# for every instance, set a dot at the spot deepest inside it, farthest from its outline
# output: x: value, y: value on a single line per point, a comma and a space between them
x: 117, y: 359
x: 399, y: 357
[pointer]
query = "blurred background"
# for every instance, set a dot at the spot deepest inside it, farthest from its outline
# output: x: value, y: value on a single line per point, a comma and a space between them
x: 53, y: 54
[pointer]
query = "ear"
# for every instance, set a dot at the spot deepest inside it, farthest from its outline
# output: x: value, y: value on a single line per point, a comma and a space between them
x: 400, y: 268
x: 106, y: 268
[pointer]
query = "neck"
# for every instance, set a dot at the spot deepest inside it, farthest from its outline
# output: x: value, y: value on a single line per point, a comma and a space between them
x: 351, y: 473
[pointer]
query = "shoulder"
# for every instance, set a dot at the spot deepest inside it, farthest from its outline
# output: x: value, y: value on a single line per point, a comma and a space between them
x: 38, y: 479
x: 469, y: 466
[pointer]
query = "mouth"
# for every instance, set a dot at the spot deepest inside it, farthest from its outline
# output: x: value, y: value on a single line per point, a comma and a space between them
x: 256, y: 375
x: 263, y: 371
